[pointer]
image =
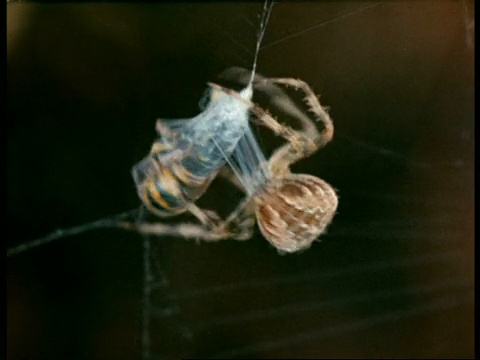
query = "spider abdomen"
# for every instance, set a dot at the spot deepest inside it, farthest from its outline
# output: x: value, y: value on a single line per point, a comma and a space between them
x: 294, y: 210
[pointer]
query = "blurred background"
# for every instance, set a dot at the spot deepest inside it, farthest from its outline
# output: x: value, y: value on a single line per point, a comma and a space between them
x: 392, y: 278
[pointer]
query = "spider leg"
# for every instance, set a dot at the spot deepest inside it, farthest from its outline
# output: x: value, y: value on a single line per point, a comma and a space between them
x: 314, y: 106
x: 282, y: 100
x: 286, y: 155
x: 301, y: 143
x: 212, y: 227
x: 185, y: 230
x: 263, y: 117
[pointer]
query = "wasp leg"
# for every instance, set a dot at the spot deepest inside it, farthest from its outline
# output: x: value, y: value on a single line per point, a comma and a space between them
x: 163, y: 129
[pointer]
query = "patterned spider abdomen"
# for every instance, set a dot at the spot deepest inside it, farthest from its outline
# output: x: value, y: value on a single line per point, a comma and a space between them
x: 294, y: 210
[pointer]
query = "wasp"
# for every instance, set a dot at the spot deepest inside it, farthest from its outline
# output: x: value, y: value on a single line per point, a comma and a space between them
x: 189, y: 153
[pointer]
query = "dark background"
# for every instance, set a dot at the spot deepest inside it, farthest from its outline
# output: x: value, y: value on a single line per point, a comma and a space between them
x: 392, y: 278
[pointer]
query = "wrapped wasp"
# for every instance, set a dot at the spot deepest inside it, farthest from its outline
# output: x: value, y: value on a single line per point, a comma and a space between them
x: 292, y: 210
x: 189, y: 154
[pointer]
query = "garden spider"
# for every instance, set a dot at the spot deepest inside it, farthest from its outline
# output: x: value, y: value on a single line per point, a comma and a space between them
x: 292, y: 210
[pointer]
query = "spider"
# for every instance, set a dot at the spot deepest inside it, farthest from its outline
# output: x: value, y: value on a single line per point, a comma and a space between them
x: 292, y: 210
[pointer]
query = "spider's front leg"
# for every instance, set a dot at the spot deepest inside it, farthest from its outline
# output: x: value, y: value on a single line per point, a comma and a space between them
x: 303, y: 142
x: 314, y: 106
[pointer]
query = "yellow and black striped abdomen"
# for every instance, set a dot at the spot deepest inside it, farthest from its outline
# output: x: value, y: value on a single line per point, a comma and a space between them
x: 167, y: 189
x: 160, y: 193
